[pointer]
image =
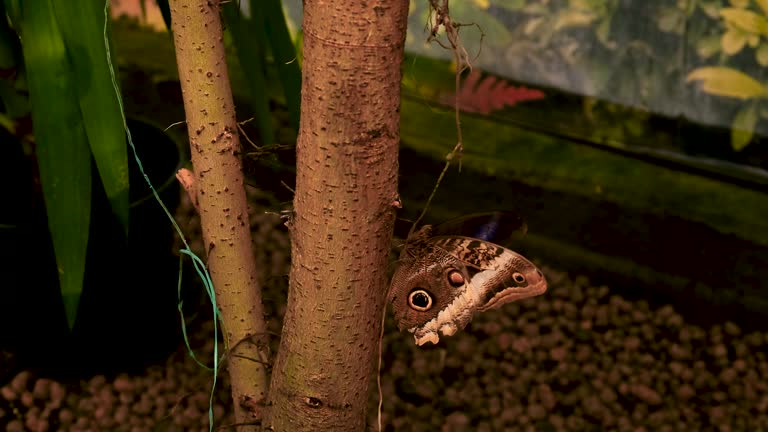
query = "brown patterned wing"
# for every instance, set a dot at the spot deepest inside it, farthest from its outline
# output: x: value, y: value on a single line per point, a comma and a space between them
x: 502, y: 275
x: 442, y: 281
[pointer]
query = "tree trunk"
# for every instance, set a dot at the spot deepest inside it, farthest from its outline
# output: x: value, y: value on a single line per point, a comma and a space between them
x: 219, y: 195
x: 346, y: 184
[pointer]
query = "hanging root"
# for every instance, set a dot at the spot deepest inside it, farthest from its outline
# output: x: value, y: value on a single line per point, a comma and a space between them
x: 439, y: 12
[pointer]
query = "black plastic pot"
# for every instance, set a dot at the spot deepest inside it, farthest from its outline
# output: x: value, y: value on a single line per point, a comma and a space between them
x: 127, y: 315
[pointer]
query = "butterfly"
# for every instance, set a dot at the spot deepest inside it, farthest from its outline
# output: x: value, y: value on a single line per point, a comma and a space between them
x: 448, y: 272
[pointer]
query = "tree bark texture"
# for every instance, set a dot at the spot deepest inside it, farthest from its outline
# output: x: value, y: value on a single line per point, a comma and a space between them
x: 346, y: 183
x: 219, y: 196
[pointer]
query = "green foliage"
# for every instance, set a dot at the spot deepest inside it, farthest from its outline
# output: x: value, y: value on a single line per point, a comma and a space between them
x: 250, y: 40
x: 745, y: 28
x: 265, y: 32
x: 61, y: 76
x: 728, y: 82
x: 83, y: 34
x: 61, y: 139
x: 636, y: 54
x: 743, y: 126
x: 284, y: 55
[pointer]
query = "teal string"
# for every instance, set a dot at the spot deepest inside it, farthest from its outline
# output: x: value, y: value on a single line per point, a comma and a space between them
x: 202, y: 271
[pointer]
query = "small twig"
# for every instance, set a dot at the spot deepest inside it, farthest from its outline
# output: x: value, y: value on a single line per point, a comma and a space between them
x: 287, y: 187
x: 174, y: 125
x: 245, y: 135
x: 267, y: 364
x: 264, y: 342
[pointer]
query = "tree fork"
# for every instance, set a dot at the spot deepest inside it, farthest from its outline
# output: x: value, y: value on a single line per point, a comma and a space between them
x: 217, y: 189
x: 346, y: 190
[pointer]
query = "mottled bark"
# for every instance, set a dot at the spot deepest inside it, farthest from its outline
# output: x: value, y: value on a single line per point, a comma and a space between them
x: 219, y: 196
x: 345, y: 187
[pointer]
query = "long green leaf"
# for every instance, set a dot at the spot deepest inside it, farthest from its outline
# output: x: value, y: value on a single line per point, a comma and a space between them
x: 724, y: 81
x: 165, y: 10
x: 62, y: 145
x: 13, y: 9
x: 250, y: 42
x: 743, y: 126
x: 7, y: 41
x: 15, y: 103
x: 82, y: 27
x: 284, y: 54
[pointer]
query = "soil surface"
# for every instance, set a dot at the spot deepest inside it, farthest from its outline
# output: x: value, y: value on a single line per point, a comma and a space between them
x: 579, y: 358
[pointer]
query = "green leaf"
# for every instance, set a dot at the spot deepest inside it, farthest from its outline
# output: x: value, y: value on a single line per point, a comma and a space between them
x: 8, y: 42
x: 573, y: 18
x: 763, y: 4
x: 711, y: 8
x: 63, y: 155
x: 299, y: 44
x: 733, y: 41
x: 745, y: 20
x: 165, y: 11
x: 536, y: 9
x: 671, y: 20
x: 587, y: 5
x: 513, y: 5
x: 16, y: 104
x: 83, y: 30
x: 761, y: 55
x: 743, y: 127
x: 708, y: 46
x: 13, y: 9
x: 603, y: 32
x: 724, y: 81
x: 250, y: 42
x: 284, y: 55
x: 7, y: 123
x: 465, y: 12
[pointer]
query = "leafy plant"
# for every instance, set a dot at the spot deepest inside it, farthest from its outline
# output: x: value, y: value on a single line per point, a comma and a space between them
x: 54, y: 66
x: 729, y: 82
x: 745, y: 27
x: 76, y: 118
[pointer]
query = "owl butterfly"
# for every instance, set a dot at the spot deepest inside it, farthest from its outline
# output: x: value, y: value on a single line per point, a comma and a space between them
x: 448, y: 272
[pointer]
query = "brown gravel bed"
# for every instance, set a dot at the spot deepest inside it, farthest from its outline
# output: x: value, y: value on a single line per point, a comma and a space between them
x: 579, y: 358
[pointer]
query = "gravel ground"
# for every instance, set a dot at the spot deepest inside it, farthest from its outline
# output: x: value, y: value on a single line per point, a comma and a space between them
x: 579, y: 358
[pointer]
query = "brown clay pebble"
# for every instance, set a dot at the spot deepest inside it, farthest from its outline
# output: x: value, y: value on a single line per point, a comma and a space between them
x: 27, y: 399
x: 66, y: 416
x: 8, y: 393
x: 579, y: 357
x: 19, y: 382
x: 14, y: 426
x: 646, y: 394
x: 123, y: 384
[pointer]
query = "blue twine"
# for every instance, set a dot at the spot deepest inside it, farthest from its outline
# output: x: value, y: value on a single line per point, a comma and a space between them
x: 202, y: 271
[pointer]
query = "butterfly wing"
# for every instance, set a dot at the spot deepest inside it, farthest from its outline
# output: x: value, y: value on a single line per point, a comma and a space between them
x: 497, y: 275
x: 497, y: 227
x: 442, y: 281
